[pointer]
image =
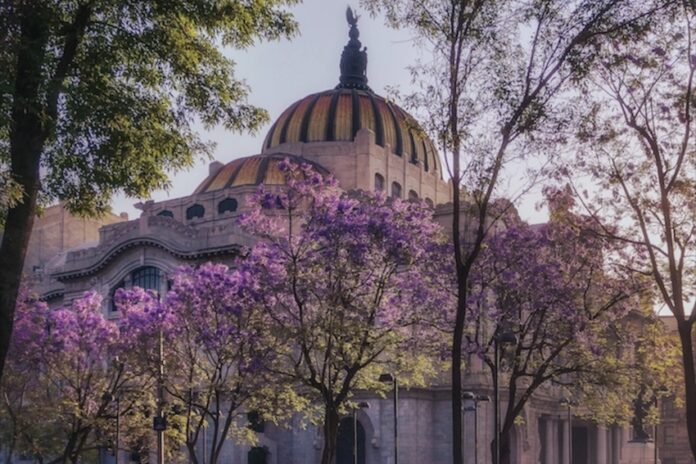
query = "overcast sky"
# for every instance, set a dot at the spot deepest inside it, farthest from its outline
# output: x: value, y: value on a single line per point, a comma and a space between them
x: 280, y: 73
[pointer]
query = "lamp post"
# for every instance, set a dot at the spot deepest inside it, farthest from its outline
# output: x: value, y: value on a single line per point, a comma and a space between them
x: 475, y: 398
x: 159, y: 423
x: 108, y: 397
x: 569, y: 404
x: 660, y: 391
x: 505, y: 338
x: 205, y: 442
x: 361, y: 405
x: 395, y: 396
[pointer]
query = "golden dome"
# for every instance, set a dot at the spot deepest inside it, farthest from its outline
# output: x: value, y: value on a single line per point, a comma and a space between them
x: 252, y: 170
x: 337, y: 115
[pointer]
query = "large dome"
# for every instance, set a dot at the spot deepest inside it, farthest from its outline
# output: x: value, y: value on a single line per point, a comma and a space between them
x: 337, y: 115
x: 252, y: 170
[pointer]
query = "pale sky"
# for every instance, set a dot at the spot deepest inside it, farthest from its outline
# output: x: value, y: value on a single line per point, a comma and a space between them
x: 280, y: 73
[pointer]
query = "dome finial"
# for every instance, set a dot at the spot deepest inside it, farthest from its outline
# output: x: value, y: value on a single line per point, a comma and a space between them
x: 353, y: 60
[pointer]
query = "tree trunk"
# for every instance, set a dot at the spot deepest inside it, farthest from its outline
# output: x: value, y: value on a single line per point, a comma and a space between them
x: 26, y: 144
x: 191, y: 447
x: 505, y: 450
x: 685, y: 336
x: 462, y: 278
x: 331, y: 422
x: 458, y: 455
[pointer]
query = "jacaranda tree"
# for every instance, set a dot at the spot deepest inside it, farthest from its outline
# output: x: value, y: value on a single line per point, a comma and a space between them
x: 98, y: 97
x: 493, y: 91
x: 63, y: 374
x: 345, y: 284
x: 636, y: 148
x: 577, y: 321
x: 215, y: 351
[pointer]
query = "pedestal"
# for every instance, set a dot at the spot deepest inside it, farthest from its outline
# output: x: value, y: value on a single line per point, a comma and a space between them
x: 638, y: 452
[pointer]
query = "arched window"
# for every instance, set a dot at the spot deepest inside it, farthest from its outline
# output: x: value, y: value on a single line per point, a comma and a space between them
x: 346, y: 437
x: 121, y: 284
x: 146, y: 277
x: 379, y: 183
x: 195, y: 211
x: 396, y: 190
x: 166, y: 213
x: 430, y: 202
x: 228, y: 204
x: 412, y: 195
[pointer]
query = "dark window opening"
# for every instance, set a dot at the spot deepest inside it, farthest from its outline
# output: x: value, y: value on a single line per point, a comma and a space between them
x: 345, y: 444
x: 256, y: 422
x: 147, y: 278
x: 257, y: 455
x: 228, y: 204
x: 279, y: 203
x: 166, y: 213
x: 379, y: 183
x: 396, y: 190
x: 120, y: 285
x: 195, y: 211
x: 412, y: 195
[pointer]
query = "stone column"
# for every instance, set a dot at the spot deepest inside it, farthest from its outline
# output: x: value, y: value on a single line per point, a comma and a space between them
x: 616, y: 444
x: 601, y: 444
x: 549, y: 444
x: 565, y: 455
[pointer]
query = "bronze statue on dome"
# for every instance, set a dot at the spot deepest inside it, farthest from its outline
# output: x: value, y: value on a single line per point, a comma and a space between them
x: 353, y: 59
x: 352, y: 19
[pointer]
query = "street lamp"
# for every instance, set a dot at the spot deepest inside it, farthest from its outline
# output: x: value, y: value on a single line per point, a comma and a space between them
x: 569, y: 404
x: 395, y: 396
x: 661, y: 390
x: 475, y: 398
x: 159, y: 422
x: 505, y: 338
x: 108, y: 398
x: 361, y: 405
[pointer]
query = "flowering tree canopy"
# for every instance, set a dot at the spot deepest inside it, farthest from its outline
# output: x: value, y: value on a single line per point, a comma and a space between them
x: 214, y: 351
x: 345, y: 283
x: 637, y: 149
x: 575, y: 321
x: 493, y: 91
x: 62, y: 370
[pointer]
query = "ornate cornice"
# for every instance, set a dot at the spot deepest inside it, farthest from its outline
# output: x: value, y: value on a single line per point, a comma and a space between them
x: 145, y: 241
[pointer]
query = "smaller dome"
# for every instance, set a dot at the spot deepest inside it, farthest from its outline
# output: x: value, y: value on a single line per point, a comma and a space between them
x: 252, y: 170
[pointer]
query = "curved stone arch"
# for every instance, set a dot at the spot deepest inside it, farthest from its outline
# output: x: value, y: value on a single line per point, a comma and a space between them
x: 126, y: 267
x: 372, y: 455
x: 117, y: 250
x: 366, y: 422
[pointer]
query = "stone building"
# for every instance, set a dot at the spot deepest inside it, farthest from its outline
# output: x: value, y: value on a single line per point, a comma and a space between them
x: 368, y: 143
x: 671, y: 436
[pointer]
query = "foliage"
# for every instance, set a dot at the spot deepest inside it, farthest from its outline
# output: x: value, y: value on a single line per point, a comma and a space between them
x: 493, y: 92
x: 62, y: 364
x: 100, y: 97
x: 576, y: 320
x: 215, y: 350
x: 345, y: 284
x: 10, y: 194
x: 636, y: 147
x: 118, y: 110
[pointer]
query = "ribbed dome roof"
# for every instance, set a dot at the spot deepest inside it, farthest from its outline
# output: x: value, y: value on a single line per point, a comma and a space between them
x: 252, y: 170
x: 338, y: 115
